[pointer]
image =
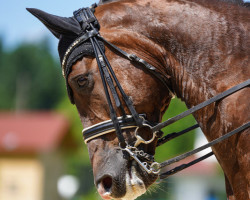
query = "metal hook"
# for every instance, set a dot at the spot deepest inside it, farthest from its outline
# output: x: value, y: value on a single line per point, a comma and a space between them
x: 140, y: 139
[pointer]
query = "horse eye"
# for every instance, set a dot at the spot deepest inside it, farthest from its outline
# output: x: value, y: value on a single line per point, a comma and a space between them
x: 82, y: 81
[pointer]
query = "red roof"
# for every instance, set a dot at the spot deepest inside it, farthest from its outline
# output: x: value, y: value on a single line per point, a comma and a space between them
x: 31, y: 132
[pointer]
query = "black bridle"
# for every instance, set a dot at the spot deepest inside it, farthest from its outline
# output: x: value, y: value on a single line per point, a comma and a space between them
x: 90, y: 28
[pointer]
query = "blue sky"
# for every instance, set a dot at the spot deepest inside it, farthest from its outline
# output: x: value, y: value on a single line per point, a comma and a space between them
x: 17, y: 25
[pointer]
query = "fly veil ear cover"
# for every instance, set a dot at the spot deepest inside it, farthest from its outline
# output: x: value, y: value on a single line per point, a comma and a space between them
x: 67, y: 30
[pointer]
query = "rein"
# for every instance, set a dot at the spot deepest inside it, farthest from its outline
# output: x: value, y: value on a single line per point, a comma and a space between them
x: 90, y: 27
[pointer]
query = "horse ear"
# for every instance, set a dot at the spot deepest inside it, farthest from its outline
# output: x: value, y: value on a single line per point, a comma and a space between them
x: 57, y: 25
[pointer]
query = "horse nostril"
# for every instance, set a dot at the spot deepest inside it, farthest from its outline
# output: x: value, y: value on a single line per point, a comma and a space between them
x: 104, y: 187
x: 107, y: 183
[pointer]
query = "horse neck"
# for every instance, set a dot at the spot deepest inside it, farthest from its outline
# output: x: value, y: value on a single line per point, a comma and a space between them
x: 197, y: 40
x: 201, y: 48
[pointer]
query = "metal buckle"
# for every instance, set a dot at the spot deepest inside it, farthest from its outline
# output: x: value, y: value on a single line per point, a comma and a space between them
x: 77, y: 15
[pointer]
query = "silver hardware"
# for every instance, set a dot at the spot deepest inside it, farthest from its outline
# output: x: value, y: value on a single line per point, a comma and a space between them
x: 140, y: 140
x: 154, y: 168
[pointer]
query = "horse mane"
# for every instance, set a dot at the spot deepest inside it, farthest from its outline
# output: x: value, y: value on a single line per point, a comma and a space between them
x: 247, y: 4
x: 106, y: 1
x: 239, y: 2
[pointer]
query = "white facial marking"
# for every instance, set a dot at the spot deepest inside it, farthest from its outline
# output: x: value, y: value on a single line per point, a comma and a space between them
x: 134, y: 185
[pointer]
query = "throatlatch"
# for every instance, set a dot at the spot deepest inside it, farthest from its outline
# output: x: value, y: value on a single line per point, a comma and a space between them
x: 90, y: 33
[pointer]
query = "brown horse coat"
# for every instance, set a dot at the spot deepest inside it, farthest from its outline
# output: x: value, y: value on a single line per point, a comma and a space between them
x: 203, y: 47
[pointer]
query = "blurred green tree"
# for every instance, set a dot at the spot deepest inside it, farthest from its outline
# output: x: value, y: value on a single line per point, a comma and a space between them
x: 1, y: 48
x: 180, y: 144
x: 30, y: 78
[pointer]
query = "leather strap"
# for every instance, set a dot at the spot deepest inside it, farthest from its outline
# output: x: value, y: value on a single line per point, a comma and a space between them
x: 181, y: 157
x: 134, y: 58
x: 184, y: 166
x: 171, y: 136
x: 127, y: 100
x: 201, y: 105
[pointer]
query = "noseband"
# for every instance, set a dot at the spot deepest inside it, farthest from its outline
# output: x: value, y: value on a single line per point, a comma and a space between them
x: 90, y: 29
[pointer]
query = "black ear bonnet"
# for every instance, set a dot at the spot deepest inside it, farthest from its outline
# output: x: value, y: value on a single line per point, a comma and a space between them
x: 68, y: 30
x: 80, y: 51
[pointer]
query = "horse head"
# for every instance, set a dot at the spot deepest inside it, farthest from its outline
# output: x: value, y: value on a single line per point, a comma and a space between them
x: 121, y: 91
x: 116, y: 175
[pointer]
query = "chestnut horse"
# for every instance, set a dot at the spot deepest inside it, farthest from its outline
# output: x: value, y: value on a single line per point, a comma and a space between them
x: 202, y: 48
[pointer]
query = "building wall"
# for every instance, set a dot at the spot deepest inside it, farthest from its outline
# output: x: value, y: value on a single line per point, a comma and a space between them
x: 198, y: 187
x: 21, y: 179
x: 54, y: 167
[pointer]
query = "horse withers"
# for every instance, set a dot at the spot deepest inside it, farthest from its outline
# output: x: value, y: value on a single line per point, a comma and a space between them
x: 200, y: 48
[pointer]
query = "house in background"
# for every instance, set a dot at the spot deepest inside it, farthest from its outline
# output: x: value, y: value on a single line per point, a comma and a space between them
x: 199, y: 182
x: 32, y: 145
x: 202, y: 181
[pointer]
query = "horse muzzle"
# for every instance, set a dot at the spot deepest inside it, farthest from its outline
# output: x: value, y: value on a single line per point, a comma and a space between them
x: 119, y: 177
